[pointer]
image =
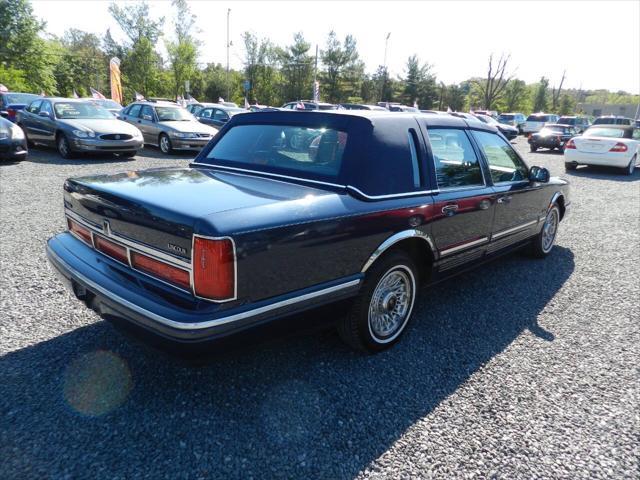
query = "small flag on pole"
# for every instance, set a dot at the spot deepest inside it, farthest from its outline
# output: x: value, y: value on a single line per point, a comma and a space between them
x: 299, y: 105
x: 415, y: 103
x: 220, y: 100
x: 75, y: 95
x: 246, y: 103
x: 3, y: 88
x: 96, y: 94
x: 42, y: 93
x: 449, y: 110
x: 138, y: 96
x: 316, y: 91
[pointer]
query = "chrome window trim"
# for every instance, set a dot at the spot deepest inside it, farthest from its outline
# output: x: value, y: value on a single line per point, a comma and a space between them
x: 173, y: 260
x: 517, y: 228
x: 392, y: 240
x: 208, y: 323
x: 391, y: 195
x: 235, y: 269
x: 464, y: 246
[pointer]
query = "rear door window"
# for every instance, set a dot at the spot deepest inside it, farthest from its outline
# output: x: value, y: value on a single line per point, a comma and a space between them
x: 147, y: 110
x: 134, y: 111
x: 456, y: 164
x: 504, y: 163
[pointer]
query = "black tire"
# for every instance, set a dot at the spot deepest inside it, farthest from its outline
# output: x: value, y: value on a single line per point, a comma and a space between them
x: 26, y: 137
x: 165, y: 144
x: 357, y: 328
x: 533, y: 148
x: 128, y: 154
x: 540, y: 246
x: 628, y: 170
x: 570, y: 166
x: 62, y: 144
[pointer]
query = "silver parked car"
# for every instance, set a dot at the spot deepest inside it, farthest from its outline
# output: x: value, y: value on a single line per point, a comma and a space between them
x: 75, y: 126
x: 167, y: 126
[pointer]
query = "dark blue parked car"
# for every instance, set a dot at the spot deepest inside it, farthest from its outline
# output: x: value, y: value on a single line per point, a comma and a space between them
x: 256, y: 229
x: 11, y: 102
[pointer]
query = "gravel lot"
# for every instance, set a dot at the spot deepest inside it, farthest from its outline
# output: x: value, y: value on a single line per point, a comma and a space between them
x: 523, y: 369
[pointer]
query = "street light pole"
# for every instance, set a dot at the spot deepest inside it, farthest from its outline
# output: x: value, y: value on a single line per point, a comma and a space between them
x: 384, y: 65
x: 228, y: 12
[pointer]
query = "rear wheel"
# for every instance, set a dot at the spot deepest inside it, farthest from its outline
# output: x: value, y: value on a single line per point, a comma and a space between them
x: 64, y: 149
x: 542, y: 244
x: 570, y: 166
x: 165, y: 144
x: 380, y: 314
x: 26, y: 137
x: 631, y: 167
x: 533, y: 148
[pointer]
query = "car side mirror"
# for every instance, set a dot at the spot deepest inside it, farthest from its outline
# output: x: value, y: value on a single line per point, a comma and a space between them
x: 44, y: 114
x: 4, y: 113
x: 539, y: 174
x: 147, y: 117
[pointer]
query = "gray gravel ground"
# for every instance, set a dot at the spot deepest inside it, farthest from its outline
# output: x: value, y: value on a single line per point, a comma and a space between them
x: 523, y: 369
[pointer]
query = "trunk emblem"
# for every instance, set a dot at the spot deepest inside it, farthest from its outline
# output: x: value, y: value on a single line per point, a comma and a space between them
x: 117, y: 137
x: 177, y: 248
x: 106, y: 228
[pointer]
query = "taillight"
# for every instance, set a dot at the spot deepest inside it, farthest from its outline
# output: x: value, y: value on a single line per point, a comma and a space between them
x: 160, y: 269
x: 214, y: 275
x: 619, y: 147
x: 570, y: 145
x: 11, y: 112
x: 79, y: 230
x: 111, y: 249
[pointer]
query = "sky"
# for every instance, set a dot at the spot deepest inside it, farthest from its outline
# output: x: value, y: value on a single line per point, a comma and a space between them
x: 596, y: 42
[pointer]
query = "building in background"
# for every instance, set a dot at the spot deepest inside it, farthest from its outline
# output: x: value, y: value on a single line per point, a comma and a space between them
x: 629, y: 110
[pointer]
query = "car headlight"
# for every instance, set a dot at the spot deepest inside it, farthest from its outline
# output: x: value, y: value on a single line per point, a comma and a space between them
x: 17, y: 133
x: 137, y: 134
x: 84, y: 133
x: 181, y: 134
x: 4, y: 132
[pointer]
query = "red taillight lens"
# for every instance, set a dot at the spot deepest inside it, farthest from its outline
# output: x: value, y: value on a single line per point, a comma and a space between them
x: 111, y: 249
x: 619, y: 147
x: 570, y: 145
x: 79, y: 230
x: 160, y: 269
x: 214, y: 268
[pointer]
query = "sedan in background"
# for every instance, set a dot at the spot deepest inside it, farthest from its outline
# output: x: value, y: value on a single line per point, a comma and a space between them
x: 604, y: 145
x: 552, y: 136
x: 536, y: 121
x: 13, y: 145
x: 309, y: 105
x: 516, y: 119
x: 360, y: 106
x: 168, y: 126
x: 114, y: 107
x: 216, y: 114
x: 612, y: 120
x: 507, y: 130
x: 12, y: 102
x: 578, y: 122
x: 74, y: 126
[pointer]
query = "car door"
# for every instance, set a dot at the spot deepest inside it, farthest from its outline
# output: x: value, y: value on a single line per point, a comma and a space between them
x: 29, y: 118
x: 463, y: 208
x: 148, y: 125
x: 204, y: 116
x: 219, y: 117
x: 47, y: 124
x: 131, y: 114
x: 520, y: 204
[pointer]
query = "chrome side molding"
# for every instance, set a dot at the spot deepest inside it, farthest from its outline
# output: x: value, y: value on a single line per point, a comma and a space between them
x: 392, y: 240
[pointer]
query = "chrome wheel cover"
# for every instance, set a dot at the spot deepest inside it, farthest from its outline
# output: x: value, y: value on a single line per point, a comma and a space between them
x: 391, y: 304
x: 164, y: 144
x: 549, y: 230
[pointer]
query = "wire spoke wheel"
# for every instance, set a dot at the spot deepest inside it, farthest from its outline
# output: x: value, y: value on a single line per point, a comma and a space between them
x: 550, y: 229
x: 391, y: 304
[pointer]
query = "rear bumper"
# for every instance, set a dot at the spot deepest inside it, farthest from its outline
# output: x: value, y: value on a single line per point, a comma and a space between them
x: 620, y: 160
x: 12, y: 149
x: 117, y: 292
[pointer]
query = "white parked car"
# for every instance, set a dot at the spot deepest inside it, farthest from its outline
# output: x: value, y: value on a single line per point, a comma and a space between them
x: 606, y: 145
x: 536, y: 121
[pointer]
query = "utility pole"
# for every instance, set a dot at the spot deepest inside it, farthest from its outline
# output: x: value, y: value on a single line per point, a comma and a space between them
x: 228, y: 12
x: 384, y: 65
x: 315, y: 78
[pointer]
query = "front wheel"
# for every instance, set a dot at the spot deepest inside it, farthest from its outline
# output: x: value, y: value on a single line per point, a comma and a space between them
x: 380, y: 314
x: 63, y: 146
x: 542, y: 244
x: 533, y: 148
x: 165, y: 144
x: 570, y: 166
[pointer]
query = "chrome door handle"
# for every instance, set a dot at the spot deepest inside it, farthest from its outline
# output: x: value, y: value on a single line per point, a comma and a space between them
x: 450, y: 209
x: 505, y: 199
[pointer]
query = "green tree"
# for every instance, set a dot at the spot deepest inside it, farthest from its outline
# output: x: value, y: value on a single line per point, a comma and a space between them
x: 540, y: 99
x: 383, y: 85
x: 82, y: 64
x: 136, y: 23
x: 419, y: 84
x: 183, y: 51
x: 296, y: 68
x: 260, y: 70
x: 340, y: 60
x: 515, y: 96
x: 567, y: 105
x: 493, y: 85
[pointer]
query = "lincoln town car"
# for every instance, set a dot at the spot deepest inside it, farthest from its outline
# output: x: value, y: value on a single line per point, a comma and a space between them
x: 362, y: 208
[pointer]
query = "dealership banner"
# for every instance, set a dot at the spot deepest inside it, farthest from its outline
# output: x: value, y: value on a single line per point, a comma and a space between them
x: 116, y: 85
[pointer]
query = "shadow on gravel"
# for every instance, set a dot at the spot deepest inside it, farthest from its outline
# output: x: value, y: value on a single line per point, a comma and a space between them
x: 93, y: 404
x: 607, y: 173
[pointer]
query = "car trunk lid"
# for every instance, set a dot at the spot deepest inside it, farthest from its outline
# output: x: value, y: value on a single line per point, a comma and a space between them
x: 594, y: 145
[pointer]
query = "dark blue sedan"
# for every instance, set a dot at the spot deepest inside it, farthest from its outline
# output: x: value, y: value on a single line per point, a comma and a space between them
x: 363, y: 206
x: 12, y: 102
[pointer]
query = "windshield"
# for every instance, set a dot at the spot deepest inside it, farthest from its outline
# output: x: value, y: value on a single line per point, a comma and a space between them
x: 567, y: 121
x: 13, y: 98
x: 604, y: 132
x: 505, y: 118
x: 108, y: 103
x: 326, y: 107
x: 294, y: 150
x: 72, y: 110
x: 538, y: 118
x: 487, y: 119
x: 169, y: 114
x: 553, y: 131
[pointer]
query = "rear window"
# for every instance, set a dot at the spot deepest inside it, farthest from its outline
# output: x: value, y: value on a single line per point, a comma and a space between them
x: 538, y: 118
x: 607, y: 132
x: 19, y: 98
x: 567, y: 121
x: 554, y: 130
x: 310, y: 152
x: 612, y: 121
x: 506, y: 117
